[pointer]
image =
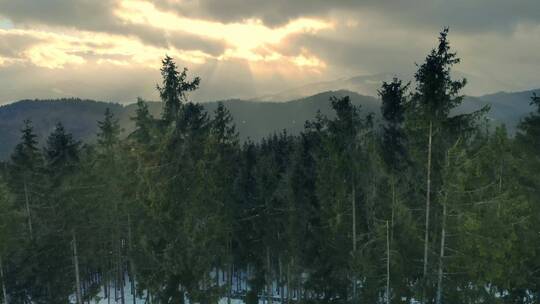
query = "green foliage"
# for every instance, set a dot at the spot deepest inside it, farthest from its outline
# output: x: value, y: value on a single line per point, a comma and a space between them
x: 393, y: 112
x: 174, y: 88
x: 180, y: 209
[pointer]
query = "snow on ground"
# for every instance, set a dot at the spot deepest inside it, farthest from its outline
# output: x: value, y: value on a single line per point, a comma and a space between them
x: 239, y: 287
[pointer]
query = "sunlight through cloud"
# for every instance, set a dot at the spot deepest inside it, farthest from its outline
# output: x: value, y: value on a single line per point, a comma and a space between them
x: 56, y: 50
x: 244, y: 39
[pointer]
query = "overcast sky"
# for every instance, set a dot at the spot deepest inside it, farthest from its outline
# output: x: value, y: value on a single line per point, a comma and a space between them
x: 111, y: 49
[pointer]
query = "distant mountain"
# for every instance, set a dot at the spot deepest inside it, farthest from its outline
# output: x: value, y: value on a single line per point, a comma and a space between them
x: 258, y: 119
x: 254, y: 120
x: 507, y: 108
x: 79, y: 116
x: 365, y: 84
x: 370, y: 84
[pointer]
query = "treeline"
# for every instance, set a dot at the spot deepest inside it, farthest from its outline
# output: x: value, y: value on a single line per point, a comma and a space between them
x: 429, y: 206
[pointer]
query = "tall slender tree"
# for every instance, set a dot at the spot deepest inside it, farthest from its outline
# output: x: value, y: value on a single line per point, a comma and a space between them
x: 430, y: 113
x: 174, y: 89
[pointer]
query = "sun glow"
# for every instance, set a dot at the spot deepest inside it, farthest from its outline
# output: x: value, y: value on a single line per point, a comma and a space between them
x: 250, y: 39
x: 56, y: 50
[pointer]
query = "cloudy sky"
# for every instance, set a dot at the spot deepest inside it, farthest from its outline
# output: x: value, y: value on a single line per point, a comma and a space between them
x: 111, y: 49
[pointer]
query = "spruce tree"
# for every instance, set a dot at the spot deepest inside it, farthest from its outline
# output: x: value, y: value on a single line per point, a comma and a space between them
x: 26, y: 171
x: 144, y: 123
x: 394, y: 101
x: 429, y: 117
x: 60, y: 218
x: 109, y: 131
x: 11, y: 222
x: 174, y: 89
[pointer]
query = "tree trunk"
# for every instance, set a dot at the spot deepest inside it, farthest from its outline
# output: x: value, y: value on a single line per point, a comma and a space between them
x: 387, y: 263
x: 114, y: 267
x: 4, y: 289
x: 108, y: 290
x: 393, y: 207
x: 229, y: 283
x: 428, y: 202
x: 288, y: 282
x: 28, y: 214
x: 131, y: 263
x: 281, y: 295
x: 441, y: 256
x: 76, y: 262
x: 353, y: 203
x: 269, y: 277
x: 217, y: 277
x: 121, y: 275
x: 108, y: 281
x: 238, y: 279
x: 500, y: 176
x: 500, y: 189
x: 119, y: 265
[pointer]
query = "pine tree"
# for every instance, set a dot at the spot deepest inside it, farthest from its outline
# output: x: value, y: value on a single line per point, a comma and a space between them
x: 303, y: 211
x: 26, y: 170
x: 339, y: 186
x: 61, y: 152
x: 144, y: 123
x: 174, y: 89
x: 224, y: 150
x: 395, y: 156
x: 109, y: 131
x: 393, y: 97
x: 61, y: 163
x: 110, y: 166
x: 429, y: 112
x: 11, y: 220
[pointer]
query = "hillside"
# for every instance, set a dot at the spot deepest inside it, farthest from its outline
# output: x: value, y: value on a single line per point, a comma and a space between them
x: 79, y: 117
x: 254, y: 119
x: 371, y: 83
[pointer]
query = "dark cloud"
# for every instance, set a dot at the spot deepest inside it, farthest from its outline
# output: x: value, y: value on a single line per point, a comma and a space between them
x: 82, y: 14
x: 463, y: 15
x: 98, y: 16
x: 12, y: 45
x: 183, y: 41
x: 391, y: 35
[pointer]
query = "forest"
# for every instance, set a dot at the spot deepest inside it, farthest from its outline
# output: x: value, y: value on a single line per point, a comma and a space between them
x: 428, y: 206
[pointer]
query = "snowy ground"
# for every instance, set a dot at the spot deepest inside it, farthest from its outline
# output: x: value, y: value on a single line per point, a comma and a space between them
x: 239, y: 287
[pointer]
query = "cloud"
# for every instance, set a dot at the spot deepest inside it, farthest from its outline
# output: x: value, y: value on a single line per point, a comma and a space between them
x: 89, y: 16
x: 57, y: 50
x: 463, y: 15
x: 120, y: 21
x: 14, y: 43
x: 247, y: 39
x: 244, y: 48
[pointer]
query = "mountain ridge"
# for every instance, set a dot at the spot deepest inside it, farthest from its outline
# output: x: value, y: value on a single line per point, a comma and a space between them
x: 254, y: 120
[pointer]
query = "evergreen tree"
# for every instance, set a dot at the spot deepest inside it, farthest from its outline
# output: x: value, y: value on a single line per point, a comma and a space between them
x: 400, y: 219
x: 61, y: 152
x: 144, y: 123
x: 26, y: 171
x: 393, y: 112
x: 174, y: 89
x: 57, y: 219
x: 26, y: 182
x: 109, y: 130
x: 429, y: 112
x: 181, y: 209
x: 11, y: 221
x: 112, y: 172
